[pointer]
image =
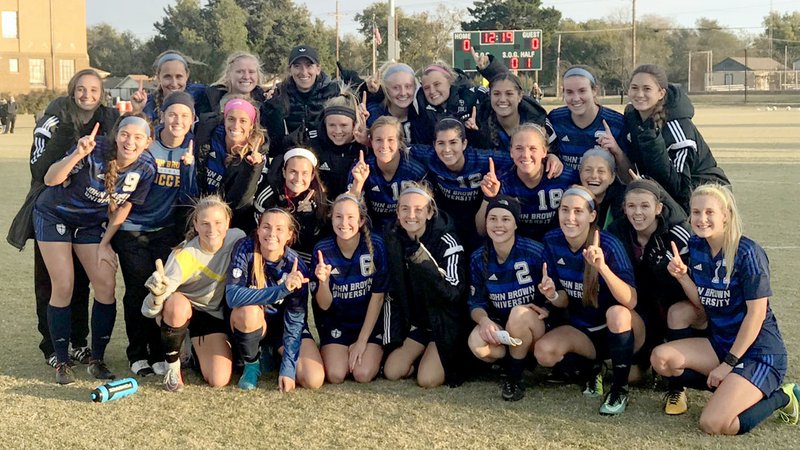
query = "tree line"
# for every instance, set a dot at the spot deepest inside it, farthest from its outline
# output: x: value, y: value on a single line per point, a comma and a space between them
x: 270, y: 28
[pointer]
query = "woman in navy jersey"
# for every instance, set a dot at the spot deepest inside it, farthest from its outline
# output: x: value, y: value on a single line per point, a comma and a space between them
x: 664, y: 143
x: 456, y: 169
x: 153, y: 228
x: 588, y: 273
x: 503, y: 296
x: 424, y: 320
x: 527, y: 181
x: 381, y: 176
x: 597, y: 171
x: 268, y: 293
x: 171, y: 70
x: 743, y: 359
x: 351, y: 279
x: 294, y: 184
x: 187, y: 295
x: 97, y: 183
x: 583, y: 123
x: 342, y: 134
x: 231, y: 156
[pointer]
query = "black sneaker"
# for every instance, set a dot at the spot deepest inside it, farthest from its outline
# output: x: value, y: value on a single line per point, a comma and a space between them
x: 513, y: 391
x: 51, y: 360
x: 98, y: 369
x: 82, y: 355
x: 64, y: 374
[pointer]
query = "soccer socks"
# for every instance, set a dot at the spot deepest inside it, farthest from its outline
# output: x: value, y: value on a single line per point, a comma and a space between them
x: 248, y: 343
x: 59, y: 321
x: 755, y: 414
x: 515, y: 368
x: 103, y: 318
x: 575, y: 366
x: 681, y: 333
x: 172, y: 340
x: 620, y: 346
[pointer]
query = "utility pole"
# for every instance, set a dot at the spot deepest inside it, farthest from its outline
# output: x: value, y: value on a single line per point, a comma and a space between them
x: 337, y: 37
x: 633, y: 36
x: 392, y: 53
x: 558, y: 66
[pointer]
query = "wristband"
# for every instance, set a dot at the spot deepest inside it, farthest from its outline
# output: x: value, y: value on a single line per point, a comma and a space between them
x: 731, y: 360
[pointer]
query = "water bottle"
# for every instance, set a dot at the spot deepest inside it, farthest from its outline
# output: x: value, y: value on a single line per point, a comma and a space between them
x: 114, y: 390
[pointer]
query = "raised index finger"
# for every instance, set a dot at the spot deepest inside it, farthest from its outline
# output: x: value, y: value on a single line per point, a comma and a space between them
x: 544, y: 271
x: 159, y: 266
x: 608, y: 130
x: 141, y: 85
x: 294, y: 266
x: 491, y: 166
x: 596, y: 241
x: 675, y: 254
x: 364, y: 98
x: 321, y: 260
x: 474, y: 112
x: 95, y: 130
x: 361, y: 156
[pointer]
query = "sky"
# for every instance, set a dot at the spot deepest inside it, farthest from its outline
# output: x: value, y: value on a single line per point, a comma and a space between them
x: 744, y: 14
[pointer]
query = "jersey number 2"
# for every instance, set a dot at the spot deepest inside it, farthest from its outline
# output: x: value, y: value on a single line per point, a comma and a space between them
x: 523, y: 272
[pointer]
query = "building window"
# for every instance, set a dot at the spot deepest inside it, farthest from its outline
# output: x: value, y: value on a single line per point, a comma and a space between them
x: 13, y: 65
x: 67, y: 69
x: 37, y: 71
x: 728, y: 79
x: 9, y: 24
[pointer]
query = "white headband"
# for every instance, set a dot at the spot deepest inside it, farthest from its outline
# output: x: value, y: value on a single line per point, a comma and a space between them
x: 302, y: 152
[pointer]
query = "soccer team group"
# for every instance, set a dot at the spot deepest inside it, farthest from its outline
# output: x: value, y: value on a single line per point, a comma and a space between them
x: 436, y: 227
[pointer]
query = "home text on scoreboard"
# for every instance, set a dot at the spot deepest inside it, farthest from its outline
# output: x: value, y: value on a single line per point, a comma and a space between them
x: 517, y: 49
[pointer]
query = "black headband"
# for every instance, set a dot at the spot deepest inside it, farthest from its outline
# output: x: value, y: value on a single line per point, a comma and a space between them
x: 647, y: 185
x: 340, y: 111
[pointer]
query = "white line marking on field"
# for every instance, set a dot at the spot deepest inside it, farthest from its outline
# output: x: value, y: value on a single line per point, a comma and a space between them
x: 766, y: 182
x: 779, y: 247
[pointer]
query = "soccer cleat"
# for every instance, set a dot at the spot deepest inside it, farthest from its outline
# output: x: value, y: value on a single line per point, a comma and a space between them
x: 791, y: 412
x: 98, y: 369
x: 513, y: 390
x: 594, y: 385
x: 173, y: 380
x: 82, y: 355
x: 142, y: 368
x: 64, y: 374
x: 160, y: 368
x: 249, y: 379
x: 51, y: 360
x: 676, y: 402
x: 615, y: 403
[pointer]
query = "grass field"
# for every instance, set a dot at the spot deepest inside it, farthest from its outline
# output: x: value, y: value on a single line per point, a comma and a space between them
x: 759, y: 150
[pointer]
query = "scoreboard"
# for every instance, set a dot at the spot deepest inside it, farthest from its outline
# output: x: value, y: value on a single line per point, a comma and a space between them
x: 517, y: 49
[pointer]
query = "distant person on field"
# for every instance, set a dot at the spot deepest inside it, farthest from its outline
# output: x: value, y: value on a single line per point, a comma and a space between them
x: 12, y: 116
x: 3, y: 113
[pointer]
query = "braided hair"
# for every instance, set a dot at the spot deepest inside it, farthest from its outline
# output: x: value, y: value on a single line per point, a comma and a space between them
x: 365, y: 226
x: 659, y: 114
x: 258, y: 258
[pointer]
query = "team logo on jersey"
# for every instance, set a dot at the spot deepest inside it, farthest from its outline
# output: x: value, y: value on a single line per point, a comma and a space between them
x: 599, y: 133
x: 324, y: 166
x: 565, y: 139
x: 472, y: 290
x: 335, y: 333
x: 61, y: 228
x: 334, y: 271
x: 698, y: 267
x: 237, y: 273
x: 101, y: 176
x: 561, y: 262
x: 312, y: 134
x: 312, y: 285
x: 493, y: 277
x: 376, y: 189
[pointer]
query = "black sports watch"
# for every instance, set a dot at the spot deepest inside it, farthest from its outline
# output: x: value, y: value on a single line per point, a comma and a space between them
x: 731, y: 360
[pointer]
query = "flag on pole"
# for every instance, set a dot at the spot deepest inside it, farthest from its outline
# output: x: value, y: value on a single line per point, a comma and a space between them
x: 376, y: 34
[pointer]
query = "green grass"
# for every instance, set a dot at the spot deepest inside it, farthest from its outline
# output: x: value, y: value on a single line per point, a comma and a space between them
x: 759, y: 150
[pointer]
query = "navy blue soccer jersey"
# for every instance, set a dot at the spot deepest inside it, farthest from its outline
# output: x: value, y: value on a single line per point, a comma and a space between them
x: 459, y: 193
x: 291, y: 307
x: 380, y: 194
x: 725, y: 303
x: 565, y: 267
x: 538, y: 205
x: 499, y: 287
x: 573, y: 141
x: 82, y: 200
x: 352, y: 280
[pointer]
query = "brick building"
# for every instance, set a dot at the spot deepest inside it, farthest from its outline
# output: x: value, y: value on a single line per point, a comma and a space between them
x: 42, y: 44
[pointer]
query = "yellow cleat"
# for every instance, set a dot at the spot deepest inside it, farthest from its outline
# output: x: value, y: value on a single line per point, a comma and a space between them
x: 791, y: 412
x: 676, y: 402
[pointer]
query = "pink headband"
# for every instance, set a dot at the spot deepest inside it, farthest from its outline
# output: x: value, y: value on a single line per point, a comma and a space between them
x: 438, y: 68
x: 241, y: 105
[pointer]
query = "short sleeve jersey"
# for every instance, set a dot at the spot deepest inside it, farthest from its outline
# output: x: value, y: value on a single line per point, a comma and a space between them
x: 565, y: 267
x: 353, y: 280
x: 725, y: 303
x: 573, y: 141
x: 498, y: 287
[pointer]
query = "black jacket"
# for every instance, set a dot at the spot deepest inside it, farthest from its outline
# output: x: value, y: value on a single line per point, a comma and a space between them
x: 334, y: 161
x: 657, y: 289
x: 292, y: 117
x: 428, y: 289
x: 676, y: 156
x: 208, y: 104
x: 53, y: 135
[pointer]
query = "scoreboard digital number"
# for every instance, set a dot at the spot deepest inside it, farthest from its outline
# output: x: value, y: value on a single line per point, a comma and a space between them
x: 519, y: 49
